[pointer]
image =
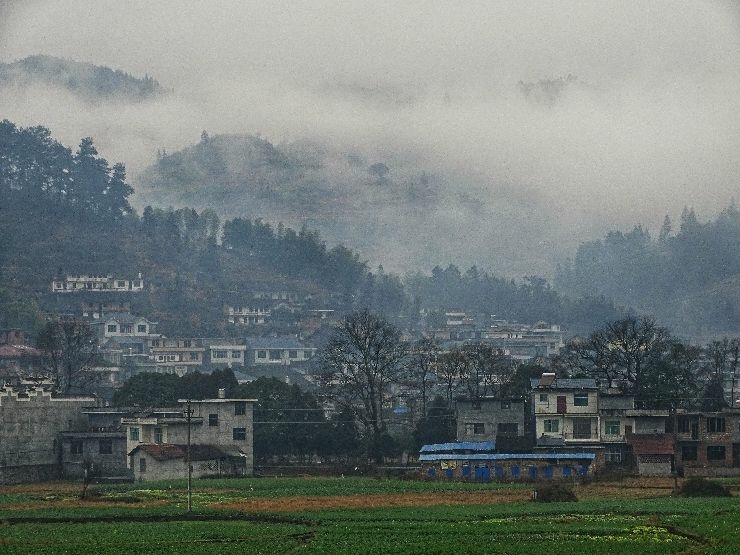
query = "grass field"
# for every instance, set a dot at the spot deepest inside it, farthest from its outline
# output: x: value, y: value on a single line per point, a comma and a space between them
x: 362, y: 515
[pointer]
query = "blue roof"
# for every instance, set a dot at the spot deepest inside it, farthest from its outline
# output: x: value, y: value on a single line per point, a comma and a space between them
x: 505, y: 456
x: 460, y: 446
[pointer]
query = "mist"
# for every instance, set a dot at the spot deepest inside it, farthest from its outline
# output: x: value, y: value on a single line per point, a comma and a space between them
x: 649, y: 123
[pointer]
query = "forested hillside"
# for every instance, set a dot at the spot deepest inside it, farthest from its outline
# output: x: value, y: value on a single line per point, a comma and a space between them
x: 689, y: 278
x: 68, y: 212
x: 86, y: 81
x: 397, y: 209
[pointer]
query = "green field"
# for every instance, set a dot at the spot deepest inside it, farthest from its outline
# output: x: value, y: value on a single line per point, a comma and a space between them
x: 308, y: 515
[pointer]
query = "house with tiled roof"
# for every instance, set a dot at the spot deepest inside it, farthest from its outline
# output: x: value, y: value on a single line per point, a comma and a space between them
x: 165, y: 461
x: 223, y: 425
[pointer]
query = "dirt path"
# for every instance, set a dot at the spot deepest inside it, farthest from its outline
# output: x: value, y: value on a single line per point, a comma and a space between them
x: 307, y: 503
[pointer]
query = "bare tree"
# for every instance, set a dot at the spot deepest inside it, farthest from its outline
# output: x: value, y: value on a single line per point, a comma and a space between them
x: 453, y: 366
x: 487, y: 370
x: 421, y: 368
x: 70, y: 351
x: 361, y: 360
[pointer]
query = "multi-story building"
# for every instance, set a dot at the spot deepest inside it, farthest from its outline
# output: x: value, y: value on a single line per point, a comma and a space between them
x: 222, y: 353
x: 97, y: 284
x: 707, y: 442
x: 277, y: 351
x: 253, y: 313
x: 566, y: 410
x: 157, y: 438
x: 31, y: 420
x: 489, y: 418
x: 176, y: 356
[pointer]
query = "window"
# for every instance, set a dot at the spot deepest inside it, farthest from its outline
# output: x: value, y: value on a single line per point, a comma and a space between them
x: 612, y: 456
x: 219, y: 354
x: 158, y: 435
x: 275, y: 354
x: 508, y: 429
x: 75, y: 447
x: 293, y: 354
x: 240, y: 408
x: 715, y: 425
x: 136, y: 283
x: 580, y: 399
x: 552, y: 425
x: 307, y: 354
x: 543, y: 398
x: 505, y: 404
x: 689, y: 453
x: 475, y: 405
x: 261, y: 354
x: 193, y: 356
x: 581, y: 428
x: 474, y: 428
x: 683, y: 425
x: 240, y: 434
x: 612, y: 427
x: 141, y: 328
x: 133, y: 434
x: 187, y: 343
x: 142, y: 465
x: 112, y: 328
x: 716, y: 453
x: 236, y: 354
x: 213, y: 419
x: 105, y: 446
x: 127, y: 328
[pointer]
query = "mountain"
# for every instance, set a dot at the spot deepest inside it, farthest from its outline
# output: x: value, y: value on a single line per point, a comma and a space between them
x: 689, y: 279
x: 393, y: 209
x: 89, y: 82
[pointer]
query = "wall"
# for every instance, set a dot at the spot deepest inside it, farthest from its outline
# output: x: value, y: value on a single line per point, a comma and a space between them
x: 490, y: 413
x: 28, y: 435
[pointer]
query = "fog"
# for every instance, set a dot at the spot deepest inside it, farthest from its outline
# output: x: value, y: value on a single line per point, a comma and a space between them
x: 649, y: 124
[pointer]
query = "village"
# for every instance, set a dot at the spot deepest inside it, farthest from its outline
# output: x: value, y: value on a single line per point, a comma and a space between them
x: 553, y: 427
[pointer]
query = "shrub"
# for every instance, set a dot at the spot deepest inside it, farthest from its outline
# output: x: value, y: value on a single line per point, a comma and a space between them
x: 551, y: 493
x: 701, y: 487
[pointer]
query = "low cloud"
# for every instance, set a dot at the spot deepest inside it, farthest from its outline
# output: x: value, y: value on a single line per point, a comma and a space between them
x: 650, y: 123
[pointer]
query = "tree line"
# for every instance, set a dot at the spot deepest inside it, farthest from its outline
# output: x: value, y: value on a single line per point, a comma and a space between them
x: 688, y: 277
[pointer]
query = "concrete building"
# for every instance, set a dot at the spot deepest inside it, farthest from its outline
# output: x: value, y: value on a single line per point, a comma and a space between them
x: 707, y: 443
x: 176, y: 356
x: 97, y: 284
x: 29, y: 435
x: 565, y: 409
x: 224, y: 424
x: 277, y: 351
x: 489, y: 418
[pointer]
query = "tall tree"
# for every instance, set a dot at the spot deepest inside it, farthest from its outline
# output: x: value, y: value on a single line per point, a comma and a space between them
x: 421, y: 368
x: 360, y: 362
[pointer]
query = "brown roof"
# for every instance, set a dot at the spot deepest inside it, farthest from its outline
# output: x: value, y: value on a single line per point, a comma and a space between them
x: 171, y: 451
x: 651, y: 444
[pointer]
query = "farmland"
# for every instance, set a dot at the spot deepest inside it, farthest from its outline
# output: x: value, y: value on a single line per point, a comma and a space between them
x: 361, y: 515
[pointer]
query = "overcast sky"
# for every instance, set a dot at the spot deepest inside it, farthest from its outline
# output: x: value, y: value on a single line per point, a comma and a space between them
x: 652, y: 124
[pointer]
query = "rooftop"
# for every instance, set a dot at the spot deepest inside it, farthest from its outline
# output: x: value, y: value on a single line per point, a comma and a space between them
x: 565, y: 383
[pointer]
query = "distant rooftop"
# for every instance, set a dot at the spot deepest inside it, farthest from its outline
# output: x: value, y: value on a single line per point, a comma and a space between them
x: 565, y: 383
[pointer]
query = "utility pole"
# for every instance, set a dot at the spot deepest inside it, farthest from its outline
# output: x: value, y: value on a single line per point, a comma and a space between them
x: 188, y: 416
